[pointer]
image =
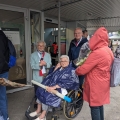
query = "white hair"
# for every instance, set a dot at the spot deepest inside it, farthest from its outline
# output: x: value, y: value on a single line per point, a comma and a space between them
x: 41, y: 42
x: 64, y: 56
x: 78, y: 28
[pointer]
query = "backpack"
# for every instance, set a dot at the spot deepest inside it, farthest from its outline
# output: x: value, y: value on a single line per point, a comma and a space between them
x: 51, y: 49
x: 12, y: 54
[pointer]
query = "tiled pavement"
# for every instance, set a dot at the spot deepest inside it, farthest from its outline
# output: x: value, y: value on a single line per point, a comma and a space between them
x: 18, y: 103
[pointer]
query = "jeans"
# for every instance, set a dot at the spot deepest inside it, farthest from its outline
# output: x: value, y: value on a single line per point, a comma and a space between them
x: 97, y: 113
x: 3, y: 98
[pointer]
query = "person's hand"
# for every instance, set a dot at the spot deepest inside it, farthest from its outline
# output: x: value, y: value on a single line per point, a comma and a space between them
x: 42, y: 63
x: 49, y: 89
x: 57, y: 66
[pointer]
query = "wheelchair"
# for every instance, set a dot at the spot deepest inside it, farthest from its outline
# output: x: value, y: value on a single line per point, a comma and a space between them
x: 70, y: 110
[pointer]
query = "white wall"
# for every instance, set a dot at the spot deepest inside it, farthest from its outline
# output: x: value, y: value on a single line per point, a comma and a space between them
x: 69, y: 37
x: 70, y: 33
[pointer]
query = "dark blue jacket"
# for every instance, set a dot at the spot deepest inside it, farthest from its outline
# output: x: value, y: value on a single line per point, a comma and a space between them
x: 74, y: 50
x: 73, y: 54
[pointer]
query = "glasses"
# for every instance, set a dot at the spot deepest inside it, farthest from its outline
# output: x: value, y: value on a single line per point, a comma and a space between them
x: 41, y: 46
x: 63, y: 61
x: 78, y: 33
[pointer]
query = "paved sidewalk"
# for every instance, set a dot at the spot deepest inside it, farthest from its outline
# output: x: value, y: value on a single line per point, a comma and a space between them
x: 18, y: 103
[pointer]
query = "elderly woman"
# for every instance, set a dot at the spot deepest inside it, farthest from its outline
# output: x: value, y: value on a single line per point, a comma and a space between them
x: 97, y: 74
x: 40, y: 61
x: 62, y: 77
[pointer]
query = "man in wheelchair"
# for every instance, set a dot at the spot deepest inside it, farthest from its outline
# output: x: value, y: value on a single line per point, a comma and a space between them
x: 60, y: 78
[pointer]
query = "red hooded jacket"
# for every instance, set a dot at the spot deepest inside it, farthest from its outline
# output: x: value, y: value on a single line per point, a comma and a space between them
x: 97, y: 70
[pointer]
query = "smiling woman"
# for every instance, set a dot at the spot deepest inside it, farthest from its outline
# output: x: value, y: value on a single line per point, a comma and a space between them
x: 61, y: 77
x: 64, y: 61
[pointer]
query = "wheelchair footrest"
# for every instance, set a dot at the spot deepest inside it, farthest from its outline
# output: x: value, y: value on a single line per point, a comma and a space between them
x: 28, y: 116
x: 55, y: 117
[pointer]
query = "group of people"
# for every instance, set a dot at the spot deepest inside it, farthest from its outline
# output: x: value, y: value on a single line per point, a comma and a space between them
x: 94, y: 73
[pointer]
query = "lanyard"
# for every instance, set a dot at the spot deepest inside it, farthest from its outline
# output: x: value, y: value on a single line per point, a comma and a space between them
x: 79, y: 42
x: 41, y: 57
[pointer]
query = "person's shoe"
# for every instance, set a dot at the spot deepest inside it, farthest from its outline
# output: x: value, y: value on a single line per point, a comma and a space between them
x: 33, y: 114
x: 40, y: 119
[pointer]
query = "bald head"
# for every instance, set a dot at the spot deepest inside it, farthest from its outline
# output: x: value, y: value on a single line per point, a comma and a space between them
x: 78, y: 33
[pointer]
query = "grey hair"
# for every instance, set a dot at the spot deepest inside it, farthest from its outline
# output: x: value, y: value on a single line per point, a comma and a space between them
x: 41, y: 42
x: 64, y: 56
x: 78, y: 28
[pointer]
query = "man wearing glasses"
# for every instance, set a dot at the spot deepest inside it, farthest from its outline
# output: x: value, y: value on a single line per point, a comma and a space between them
x: 40, y: 61
x: 75, y: 47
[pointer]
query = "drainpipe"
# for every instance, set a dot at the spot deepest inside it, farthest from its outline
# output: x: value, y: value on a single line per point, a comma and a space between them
x: 59, y: 44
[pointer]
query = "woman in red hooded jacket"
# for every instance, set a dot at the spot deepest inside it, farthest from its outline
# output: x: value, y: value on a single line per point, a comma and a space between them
x: 97, y: 73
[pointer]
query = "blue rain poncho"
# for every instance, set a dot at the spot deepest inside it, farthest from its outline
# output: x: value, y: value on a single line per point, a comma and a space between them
x: 65, y: 78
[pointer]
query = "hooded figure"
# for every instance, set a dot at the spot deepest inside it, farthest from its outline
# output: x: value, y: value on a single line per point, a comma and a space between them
x: 97, y: 73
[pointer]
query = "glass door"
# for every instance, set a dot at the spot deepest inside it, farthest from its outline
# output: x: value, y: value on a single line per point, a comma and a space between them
x: 35, y: 27
x: 12, y: 24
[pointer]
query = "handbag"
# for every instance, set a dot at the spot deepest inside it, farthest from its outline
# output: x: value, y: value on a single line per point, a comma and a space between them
x: 83, y: 54
x: 115, y: 72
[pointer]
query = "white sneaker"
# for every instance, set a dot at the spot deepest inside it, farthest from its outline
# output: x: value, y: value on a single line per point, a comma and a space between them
x: 40, y: 119
x: 33, y: 114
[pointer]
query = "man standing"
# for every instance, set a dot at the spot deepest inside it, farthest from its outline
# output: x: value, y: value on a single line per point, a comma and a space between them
x: 74, y: 48
x: 40, y: 61
x: 4, y: 68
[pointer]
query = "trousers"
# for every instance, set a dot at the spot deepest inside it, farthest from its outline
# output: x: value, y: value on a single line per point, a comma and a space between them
x: 3, y: 98
x: 97, y: 112
x: 44, y: 107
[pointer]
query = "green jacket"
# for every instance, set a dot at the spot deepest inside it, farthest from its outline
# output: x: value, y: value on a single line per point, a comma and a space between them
x: 35, y: 59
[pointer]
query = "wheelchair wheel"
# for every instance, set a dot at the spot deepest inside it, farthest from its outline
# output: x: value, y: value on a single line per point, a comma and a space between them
x: 71, y: 110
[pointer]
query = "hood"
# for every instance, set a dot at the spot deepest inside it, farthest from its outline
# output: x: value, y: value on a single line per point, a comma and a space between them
x: 99, y: 39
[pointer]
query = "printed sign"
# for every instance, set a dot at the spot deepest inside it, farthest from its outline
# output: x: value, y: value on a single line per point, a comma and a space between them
x: 13, y: 34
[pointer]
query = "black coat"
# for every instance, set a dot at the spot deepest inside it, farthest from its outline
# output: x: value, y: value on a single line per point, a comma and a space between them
x: 4, y: 53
